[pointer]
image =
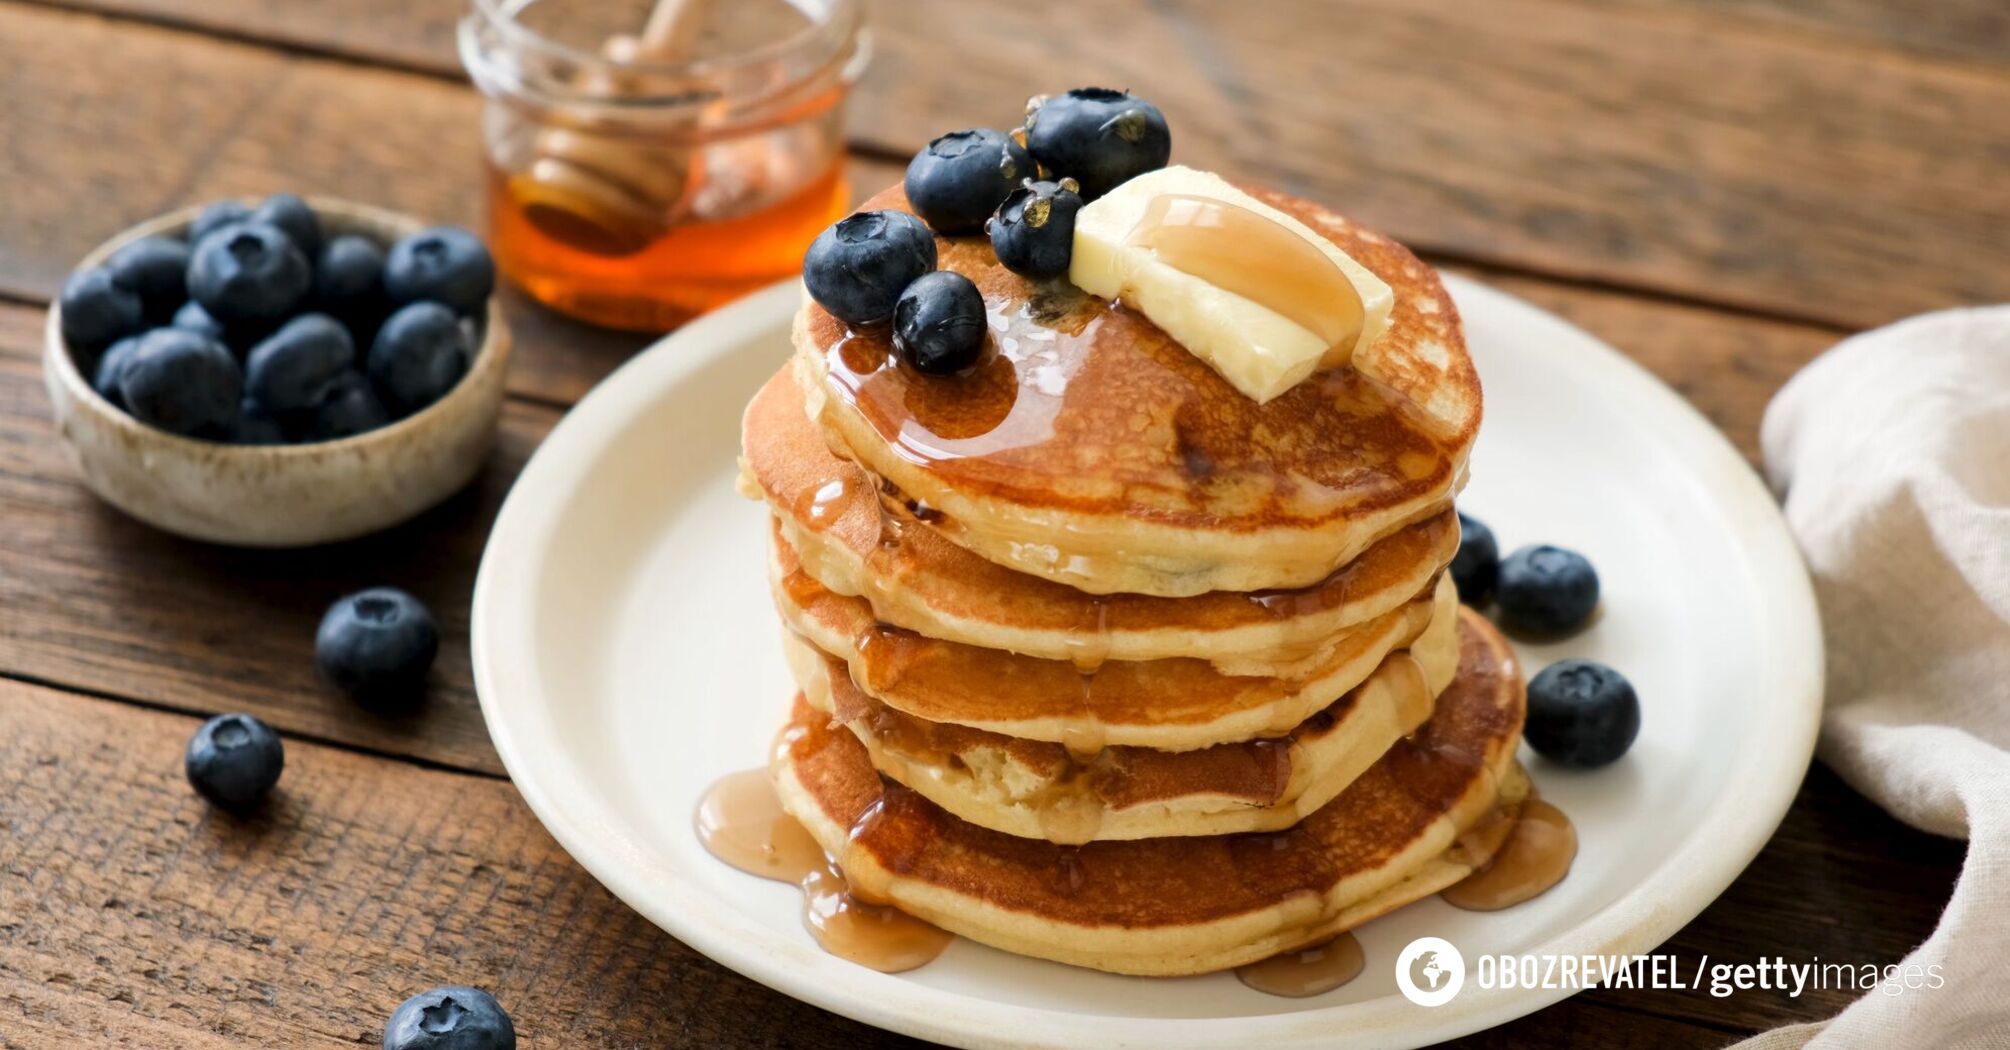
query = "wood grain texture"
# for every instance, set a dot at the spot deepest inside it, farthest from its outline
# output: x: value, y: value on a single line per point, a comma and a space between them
x: 1669, y: 148
x: 86, y: 97
x: 95, y: 600
x: 136, y: 916
x: 1971, y: 29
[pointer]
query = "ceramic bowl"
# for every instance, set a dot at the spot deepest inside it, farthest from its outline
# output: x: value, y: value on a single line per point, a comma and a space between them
x: 279, y: 495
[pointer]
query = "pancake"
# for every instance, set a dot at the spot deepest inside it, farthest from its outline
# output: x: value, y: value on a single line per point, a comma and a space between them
x: 856, y: 542
x: 1093, y: 450
x: 1036, y: 789
x: 1174, y: 704
x: 1179, y: 906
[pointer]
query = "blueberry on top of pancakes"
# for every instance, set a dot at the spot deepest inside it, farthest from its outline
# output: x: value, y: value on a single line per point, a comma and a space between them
x: 858, y: 267
x: 957, y: 181
x: 1098, y: 137
x: 938, y: 324
x: 1034, y: 230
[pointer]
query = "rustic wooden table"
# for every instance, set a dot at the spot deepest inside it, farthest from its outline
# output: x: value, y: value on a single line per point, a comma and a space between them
x: 1721, y: 188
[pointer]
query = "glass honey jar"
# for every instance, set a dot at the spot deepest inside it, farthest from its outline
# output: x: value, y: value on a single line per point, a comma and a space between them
x: 648, y: 162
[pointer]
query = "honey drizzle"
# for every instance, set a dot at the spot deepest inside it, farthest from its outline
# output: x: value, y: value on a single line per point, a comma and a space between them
x: 1306, y: 971
x: 1254, y: 256
x: 741, y: 822
x: 1538, y: 848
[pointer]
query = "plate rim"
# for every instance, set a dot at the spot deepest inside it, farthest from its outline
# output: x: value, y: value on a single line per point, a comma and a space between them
x: 1644, y: 917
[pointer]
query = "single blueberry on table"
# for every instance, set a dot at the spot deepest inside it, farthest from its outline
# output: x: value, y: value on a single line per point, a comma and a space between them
x: 248, y: 274
x: 958, y: 180
x: 215, y: 216
x: 1098, y: 137
x: 858, y: 266
x: 1546, y: 591
x: 1033, y: 233
x: 1477, y: 565
x: 377, y: 645
x: 112, y: 368
x: 352, y: 407
x: 1581, y: 713
x: 182, y: 382
x: 938, y: 324
x: 294, y: 369
x: 445, y: 264
x: 196, y: 319
x: 233, y: 760
x: 450, y: 1018
x: 99, y: 310
x: 348, y: 281
x: 156, y: 268
x: 418, y: 355
x: 293, y: 215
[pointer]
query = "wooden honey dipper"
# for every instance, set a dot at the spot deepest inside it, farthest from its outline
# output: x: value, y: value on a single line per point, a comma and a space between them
x: 600, y: 194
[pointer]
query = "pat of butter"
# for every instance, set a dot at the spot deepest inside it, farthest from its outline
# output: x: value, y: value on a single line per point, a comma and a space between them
x: 1260, y: 350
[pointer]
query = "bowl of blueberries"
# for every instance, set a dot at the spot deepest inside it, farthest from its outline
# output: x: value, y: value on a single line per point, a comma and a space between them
x: 278, y: 373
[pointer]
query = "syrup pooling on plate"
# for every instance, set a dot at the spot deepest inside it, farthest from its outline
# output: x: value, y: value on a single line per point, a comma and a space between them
x: 1306, y: 971
x: 1256, y: 257
x: 1536, y: 854
x: 741, y: 822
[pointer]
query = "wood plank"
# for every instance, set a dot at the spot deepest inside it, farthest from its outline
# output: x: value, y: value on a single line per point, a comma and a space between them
x: 216, y: 119
x: 94, y: 600
x: 1730, y: 365
x: 1666, y: 149
x: 1978, y: 30
x: 134, y: 915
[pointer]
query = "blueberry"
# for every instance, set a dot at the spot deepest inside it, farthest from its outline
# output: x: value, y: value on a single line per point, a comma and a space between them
x: 451, y: 1018
x: 233, y: 760
x: 248, y: 274
x: 1546, y: 590
x: 859, y: 265
x: 938, y: 324
x: 419, y: 354
x: 1581, y: 713
x: 1033, y: 233
x: 256, y: 426
x: 194, y: 318
x: 292, y: 215
x: 1098, y: 137
x: 445, y: 264
x: 294, y: 369
x: 1477, y: 565
x: 351, y: 407
x: 215, y: 216
x: 956, y: 183
x: 157, y: 268
x: 99, y: 310
x: 112, y: 368
x: 348, y: 281
x: 377, y: 645
x: 181, y: 382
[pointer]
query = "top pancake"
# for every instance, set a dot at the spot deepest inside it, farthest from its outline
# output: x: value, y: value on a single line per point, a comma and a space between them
x: 857, y: 541
x: 1090, y: 448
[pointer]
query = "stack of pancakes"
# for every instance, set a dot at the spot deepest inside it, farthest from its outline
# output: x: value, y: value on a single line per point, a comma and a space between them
x: 1103, y: 662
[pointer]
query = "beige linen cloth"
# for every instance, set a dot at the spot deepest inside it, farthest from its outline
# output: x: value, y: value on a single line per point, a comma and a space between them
x: 1892, y: 453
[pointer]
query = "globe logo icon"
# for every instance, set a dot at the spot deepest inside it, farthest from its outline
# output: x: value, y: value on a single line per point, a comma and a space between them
x: 1430, y: 971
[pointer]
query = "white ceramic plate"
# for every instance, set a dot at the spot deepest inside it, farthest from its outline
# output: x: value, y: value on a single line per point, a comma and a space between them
x: 627, y: 655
